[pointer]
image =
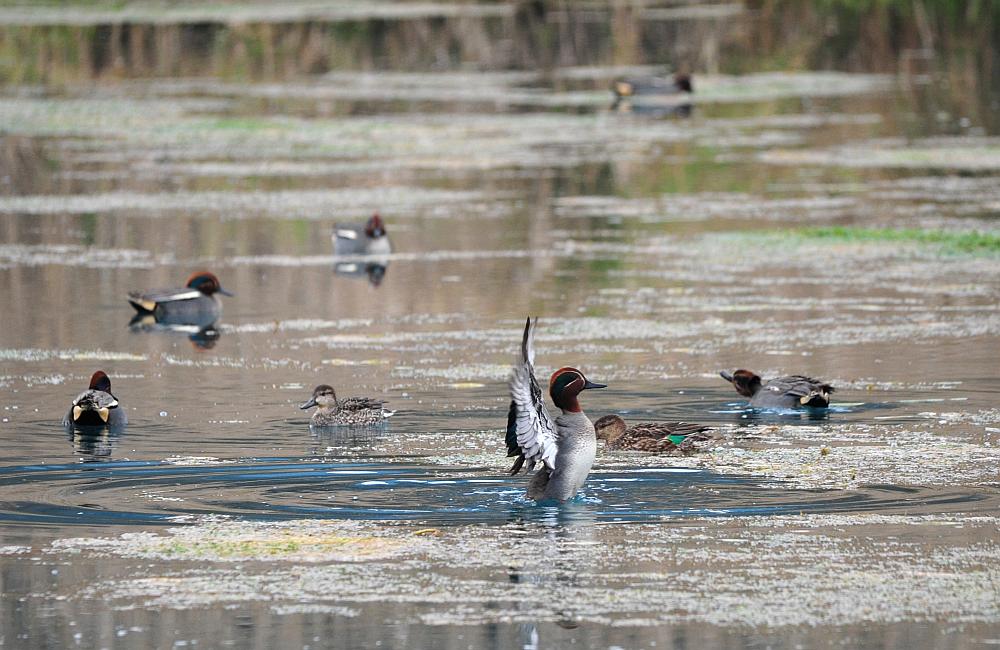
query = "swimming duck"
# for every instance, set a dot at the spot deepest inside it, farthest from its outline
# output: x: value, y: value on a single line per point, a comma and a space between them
x: 353, y: 411
x: 628, y: 88
x: 193, y: 304
x: 361, y: 239
x: 566, y: 446
x: 792, y: 391
x: 659, y: 437
x: 96, y: 406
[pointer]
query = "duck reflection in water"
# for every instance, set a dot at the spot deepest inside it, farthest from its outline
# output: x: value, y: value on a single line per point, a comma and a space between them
x: 345, y: 438
x: 369, y: 243
x: 566, y: 532
x: 94, y: 444
x: 373, y: 271
x: 201, y: 337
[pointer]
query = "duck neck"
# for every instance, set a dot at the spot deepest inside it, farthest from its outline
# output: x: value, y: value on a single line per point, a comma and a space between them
x: 569, y: 404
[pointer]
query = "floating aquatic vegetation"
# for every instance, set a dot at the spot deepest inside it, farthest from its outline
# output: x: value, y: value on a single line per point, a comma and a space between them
x: 12, y: 255
x: 706, y: 206
x: 802, y: 570
x: 968, y: 242
x: 968, y: 153
x: 195, y: 461
x: 35, y: 355
x: 304, y: 204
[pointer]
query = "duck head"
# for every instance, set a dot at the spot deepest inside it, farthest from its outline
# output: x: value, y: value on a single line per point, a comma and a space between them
x: 565, y: 385
x: 206, y: 283
x: 609, y: 428
x: 91, y: 410
x: 323, y: 396
x: 100, y: 381
x: 375, y: 227
x: 683, y: 82
x: 746, y: 382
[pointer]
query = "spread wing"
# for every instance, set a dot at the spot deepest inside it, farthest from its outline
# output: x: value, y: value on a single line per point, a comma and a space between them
x: 534, y: 432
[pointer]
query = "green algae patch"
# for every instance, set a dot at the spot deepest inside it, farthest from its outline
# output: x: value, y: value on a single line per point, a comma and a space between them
x: 968, y: 242
x: 231, y: 541
x: 281, y: 545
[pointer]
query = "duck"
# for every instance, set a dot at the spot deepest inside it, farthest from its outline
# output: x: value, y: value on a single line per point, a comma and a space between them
x: 792, y: 391
x: 626, y: 88
x: 96, y: 406
x: 658, y: 437
x: 193, y: 304
x: 564, y: 447
x: 351, y: 412
x: 369, y: 238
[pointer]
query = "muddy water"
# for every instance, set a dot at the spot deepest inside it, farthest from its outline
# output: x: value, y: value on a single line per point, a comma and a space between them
x: 655, y: 249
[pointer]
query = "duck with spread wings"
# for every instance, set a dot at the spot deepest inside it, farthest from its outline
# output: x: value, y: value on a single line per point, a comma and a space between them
x: 564, y: 447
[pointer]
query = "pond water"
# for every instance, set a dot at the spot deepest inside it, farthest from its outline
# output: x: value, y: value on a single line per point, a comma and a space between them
x: 834, y: 224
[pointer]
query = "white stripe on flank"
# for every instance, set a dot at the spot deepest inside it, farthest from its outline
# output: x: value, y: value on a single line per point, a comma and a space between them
x: 186, y: 295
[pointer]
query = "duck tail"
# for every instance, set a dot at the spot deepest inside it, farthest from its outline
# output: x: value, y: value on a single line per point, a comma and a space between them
x: 816, y: 399
x: 141, y: 305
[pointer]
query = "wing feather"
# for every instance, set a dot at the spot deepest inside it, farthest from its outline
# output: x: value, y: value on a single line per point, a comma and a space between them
x: 360, y: 404
x: 95, y: 399
x: 534, y: 429
x: 799, y: 385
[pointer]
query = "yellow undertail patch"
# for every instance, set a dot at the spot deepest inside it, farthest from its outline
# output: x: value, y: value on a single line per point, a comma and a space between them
x: 623, y: 88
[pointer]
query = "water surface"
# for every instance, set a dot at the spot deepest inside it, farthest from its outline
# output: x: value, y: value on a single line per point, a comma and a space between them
x: 781, y: 226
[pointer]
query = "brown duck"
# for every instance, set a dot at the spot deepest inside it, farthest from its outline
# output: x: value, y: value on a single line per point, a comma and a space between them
x: 655, y: 437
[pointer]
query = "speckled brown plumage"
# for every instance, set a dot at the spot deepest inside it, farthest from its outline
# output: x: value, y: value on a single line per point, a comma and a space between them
x: 651, y: 437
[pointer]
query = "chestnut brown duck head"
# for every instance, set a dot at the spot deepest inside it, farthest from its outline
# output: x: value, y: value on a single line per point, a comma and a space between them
x: 206, y: 283
x: 746, y: 382
x: 565, y: 386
